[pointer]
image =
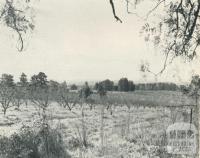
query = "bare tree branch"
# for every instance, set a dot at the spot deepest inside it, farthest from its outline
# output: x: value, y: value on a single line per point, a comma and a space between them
x: 154, y: 8
x: 114, y: 13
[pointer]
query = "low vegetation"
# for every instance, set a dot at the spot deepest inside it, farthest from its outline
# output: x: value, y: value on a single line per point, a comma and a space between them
x: 48, y: 120
x: 29, y: 142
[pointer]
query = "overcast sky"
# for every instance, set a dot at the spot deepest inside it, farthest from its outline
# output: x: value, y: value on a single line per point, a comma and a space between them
x: 80, y: 40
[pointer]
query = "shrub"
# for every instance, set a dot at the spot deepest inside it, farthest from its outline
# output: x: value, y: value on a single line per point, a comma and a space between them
x: 74, y: 143
x: 44, y: 142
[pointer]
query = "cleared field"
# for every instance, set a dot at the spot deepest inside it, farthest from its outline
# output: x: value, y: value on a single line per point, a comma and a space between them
x: 151, y: 98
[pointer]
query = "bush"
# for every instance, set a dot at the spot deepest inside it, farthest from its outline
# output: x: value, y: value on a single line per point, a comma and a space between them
x: 44, y: 142
x: 74, y: 143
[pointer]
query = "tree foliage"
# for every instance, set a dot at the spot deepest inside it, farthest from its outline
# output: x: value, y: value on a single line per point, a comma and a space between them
x: 21, y: 91
x: 18, y: 16
x: 107, y: 84
x: 23, y: 80
x: 74, y: 87
x: 44, y: 142
x: 193, y: 90
x: 157, y: 86
x: 39, y: 91
x: 125, y: 85
x: 85, y: 92
x: 7, y: 87
x: 174, y: 29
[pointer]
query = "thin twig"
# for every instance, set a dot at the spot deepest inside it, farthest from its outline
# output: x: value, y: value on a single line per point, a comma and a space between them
x: 114, y: 13
x: 154, y: 8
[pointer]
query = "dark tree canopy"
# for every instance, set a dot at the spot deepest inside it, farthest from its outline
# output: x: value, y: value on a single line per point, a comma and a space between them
x: 107, y: 85
x: 85, y: 92
x: 123, y: 85
x: 7, y: 80
x: 23, y: 80
x: 131, y: 86
x: 39, y: 80
x: 74, y: 87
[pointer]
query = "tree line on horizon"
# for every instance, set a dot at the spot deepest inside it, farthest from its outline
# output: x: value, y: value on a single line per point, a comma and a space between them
x: 125, y: 85
x: 41, y: 91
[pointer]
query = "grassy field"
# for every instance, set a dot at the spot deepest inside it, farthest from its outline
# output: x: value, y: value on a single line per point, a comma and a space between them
x: 121, y: 131
x: 151, y: 98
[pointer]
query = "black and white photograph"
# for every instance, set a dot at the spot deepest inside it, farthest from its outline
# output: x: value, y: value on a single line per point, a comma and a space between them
x: 99, y: 78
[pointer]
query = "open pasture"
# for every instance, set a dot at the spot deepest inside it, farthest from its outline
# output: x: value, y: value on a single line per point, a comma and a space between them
x: 149, y: 98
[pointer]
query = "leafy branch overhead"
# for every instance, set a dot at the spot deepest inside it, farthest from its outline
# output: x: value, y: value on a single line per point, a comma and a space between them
x: 176, y: 29
x: 15, y: 15
x: 175, y: 26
